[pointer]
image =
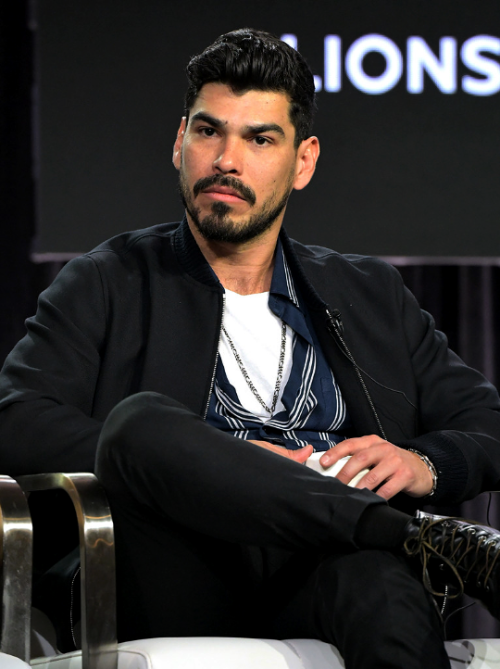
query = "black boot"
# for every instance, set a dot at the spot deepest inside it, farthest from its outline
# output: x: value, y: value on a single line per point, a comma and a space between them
x: 457, y: 552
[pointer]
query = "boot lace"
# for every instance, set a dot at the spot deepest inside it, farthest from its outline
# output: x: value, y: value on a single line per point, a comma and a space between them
x: 458, y: 549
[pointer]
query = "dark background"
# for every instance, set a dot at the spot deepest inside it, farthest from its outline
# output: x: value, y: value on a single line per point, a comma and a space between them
x: 86, y: 134
x: 400, y: 174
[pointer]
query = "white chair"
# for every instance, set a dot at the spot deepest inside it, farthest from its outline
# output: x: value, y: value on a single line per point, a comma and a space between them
x: 11, y: 662
x: 99, y: 647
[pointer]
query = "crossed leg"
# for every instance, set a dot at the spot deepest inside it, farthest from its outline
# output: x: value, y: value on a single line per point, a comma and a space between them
x: 214, y: 533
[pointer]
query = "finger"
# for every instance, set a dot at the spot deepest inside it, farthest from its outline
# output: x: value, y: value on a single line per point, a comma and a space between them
x: 335, y: 454
x: 301, y: 454
x: 349, y: 447
x: 371, y: 459
x: 365, y: 459
x: 381, y: 462
x: 390, y: 488
x: 373, y: 478
x: 263, y: 444
x: 387, y: 478
x: 279, y: 450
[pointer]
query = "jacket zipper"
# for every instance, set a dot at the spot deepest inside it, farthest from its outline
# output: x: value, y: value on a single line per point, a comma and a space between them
x: 335, y: 328
x: 216, y: 358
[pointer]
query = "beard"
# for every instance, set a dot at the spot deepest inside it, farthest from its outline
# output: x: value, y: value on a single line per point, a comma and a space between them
x: 218, y: 226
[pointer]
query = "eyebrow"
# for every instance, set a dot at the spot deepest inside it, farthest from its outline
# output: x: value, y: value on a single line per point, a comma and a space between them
x: 265, y: 127
x: 208, y: 118
x: 250, y: 129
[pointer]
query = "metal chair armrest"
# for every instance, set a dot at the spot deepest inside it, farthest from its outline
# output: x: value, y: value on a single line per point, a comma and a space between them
x: 16, y: 557
x: 97, y: 554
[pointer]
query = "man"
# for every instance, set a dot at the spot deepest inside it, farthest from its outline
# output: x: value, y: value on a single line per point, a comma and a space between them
x: 205, y: 361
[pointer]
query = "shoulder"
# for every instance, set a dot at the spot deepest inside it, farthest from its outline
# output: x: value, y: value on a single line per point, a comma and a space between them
x: 113, y: 264
x: 136, y: 242
x: 346, y: 271
x: 128, y: 251
x: 323, y: 256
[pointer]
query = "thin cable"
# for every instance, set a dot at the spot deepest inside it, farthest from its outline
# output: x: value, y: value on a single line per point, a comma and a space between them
x: 450, y: 615
x: 488, y: 508
x: 351, y: 359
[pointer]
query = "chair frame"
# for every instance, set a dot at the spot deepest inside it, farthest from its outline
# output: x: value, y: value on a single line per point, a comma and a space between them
x: 16, y: 561
x: 97, y: 555
x: 98, y: 588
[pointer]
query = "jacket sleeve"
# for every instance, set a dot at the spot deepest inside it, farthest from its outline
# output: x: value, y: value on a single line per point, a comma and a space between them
x: 48, y: 381
x: 459, y: 413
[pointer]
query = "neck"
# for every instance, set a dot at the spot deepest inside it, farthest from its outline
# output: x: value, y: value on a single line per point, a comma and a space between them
x: 242, y: 268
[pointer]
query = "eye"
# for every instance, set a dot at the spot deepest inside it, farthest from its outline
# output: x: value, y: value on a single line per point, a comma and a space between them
x: 207, y: 131
x: 261, y: 141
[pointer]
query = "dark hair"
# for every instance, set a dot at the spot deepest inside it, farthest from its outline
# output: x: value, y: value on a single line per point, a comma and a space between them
x: 248, y: 59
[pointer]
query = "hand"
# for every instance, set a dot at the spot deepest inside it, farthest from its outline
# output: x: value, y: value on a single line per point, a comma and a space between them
x: 392, y: 469
x: 299, y: 455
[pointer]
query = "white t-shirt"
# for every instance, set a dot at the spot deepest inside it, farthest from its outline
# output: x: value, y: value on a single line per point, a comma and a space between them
x: 256, y: 334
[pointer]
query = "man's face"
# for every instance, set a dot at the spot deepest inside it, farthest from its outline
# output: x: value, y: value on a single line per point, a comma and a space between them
x: 237, y: 162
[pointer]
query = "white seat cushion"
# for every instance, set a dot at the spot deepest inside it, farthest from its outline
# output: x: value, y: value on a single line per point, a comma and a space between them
x: 11, y: 662
x: 211, y: 653
x: 474, y: 653
x: 233, y: 653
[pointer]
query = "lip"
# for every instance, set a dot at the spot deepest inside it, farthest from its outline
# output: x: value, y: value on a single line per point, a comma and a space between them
x: 224, y: 194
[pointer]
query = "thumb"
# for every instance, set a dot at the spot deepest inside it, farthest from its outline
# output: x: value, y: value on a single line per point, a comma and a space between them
x: 301, y: 454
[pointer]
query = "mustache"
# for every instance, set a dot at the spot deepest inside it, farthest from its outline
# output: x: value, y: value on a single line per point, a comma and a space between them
x: 229, y: 182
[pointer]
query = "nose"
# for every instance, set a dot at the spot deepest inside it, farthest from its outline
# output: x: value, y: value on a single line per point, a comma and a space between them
x: 229, y: 160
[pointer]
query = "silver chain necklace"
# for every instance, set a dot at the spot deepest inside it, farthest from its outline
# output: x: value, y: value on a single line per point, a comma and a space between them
x: 247, y: 378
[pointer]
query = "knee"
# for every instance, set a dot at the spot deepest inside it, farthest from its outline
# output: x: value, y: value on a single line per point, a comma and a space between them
x: 139, y: 424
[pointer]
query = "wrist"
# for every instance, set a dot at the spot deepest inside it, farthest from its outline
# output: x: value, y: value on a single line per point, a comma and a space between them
x: 430, y: 466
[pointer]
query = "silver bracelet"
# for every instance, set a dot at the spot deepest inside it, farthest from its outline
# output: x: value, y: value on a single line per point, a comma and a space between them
x: 431, y: 468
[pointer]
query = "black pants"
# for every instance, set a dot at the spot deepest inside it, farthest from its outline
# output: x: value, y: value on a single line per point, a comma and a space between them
x: 216, y: 536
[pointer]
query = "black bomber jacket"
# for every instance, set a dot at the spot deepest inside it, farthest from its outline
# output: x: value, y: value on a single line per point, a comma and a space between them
x: 143, y: 311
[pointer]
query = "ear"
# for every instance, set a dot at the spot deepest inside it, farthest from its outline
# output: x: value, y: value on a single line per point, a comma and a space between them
x: 176, y: 156
x: 307, y: 157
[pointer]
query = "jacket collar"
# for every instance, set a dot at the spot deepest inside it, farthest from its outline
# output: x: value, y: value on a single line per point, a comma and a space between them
x: 191, y: 258
x: 314, y: 301
x: 194, y: 263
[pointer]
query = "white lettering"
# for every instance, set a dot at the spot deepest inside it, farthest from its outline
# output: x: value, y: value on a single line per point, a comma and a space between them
x: 472, y: 58
x: 420, y: 60
x: 442, y: 70
x: 290, y: 39
x: 354, y: 64
x: 333, y: 63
